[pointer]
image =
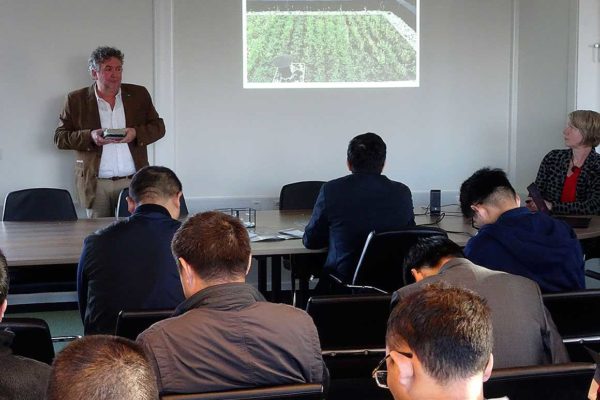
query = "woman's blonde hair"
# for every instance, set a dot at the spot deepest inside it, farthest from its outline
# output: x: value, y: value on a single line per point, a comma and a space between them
x: 588, y: 123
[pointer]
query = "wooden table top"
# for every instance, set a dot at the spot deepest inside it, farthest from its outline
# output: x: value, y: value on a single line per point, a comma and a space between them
x: 43, y: 243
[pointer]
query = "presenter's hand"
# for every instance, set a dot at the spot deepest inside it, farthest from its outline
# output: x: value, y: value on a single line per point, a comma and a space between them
x: 98, y: 138
x: 129, y: 135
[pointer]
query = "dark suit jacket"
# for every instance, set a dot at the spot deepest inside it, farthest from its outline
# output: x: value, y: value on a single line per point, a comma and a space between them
x: 347, y: 209
x: 80, y: 117
x: 524, y: 333
x: 128, y: 265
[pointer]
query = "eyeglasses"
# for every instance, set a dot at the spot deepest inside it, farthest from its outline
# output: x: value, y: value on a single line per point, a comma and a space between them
x: 380, y: 375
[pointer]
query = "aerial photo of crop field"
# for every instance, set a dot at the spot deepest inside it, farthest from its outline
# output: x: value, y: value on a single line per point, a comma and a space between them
x: 331, y: 41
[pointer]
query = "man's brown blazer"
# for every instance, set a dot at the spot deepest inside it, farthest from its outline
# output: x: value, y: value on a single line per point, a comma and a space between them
x: 80, y: 117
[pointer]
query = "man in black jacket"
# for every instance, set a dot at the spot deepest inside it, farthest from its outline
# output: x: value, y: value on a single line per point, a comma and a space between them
x: 129, y: 264
x: 348, y: 208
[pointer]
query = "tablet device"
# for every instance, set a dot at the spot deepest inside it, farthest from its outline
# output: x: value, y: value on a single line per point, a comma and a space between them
x: 114, y: 133
x: 536, y: 196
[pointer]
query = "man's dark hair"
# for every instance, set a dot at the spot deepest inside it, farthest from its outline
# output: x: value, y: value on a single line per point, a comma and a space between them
x: 3, y: 277
x: 366, y: 153
x: 101, y: 54
x: 154, y: 182
x: 448, y: 328
x: 102, y: 367
x: 216, y: 245
x: 484, y: 186
x: 428, y: 252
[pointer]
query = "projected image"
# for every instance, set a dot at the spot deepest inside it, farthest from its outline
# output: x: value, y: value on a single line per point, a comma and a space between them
x: 319, y: 43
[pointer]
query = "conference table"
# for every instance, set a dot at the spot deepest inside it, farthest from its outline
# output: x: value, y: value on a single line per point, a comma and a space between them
x: 40, y: 244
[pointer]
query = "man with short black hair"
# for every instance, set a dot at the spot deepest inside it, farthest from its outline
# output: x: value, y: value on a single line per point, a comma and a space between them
x: 129, y: 265
x: 20, y: 378
x: 431, y: 352
x: 513, y: 239
x: 524, y: 333
x: 225, y: 335
x: 348, y: 208
x: 102, y: 367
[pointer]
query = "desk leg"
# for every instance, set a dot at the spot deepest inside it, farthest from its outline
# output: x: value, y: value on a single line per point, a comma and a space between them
x: 276, y: 279
x: 262, y: 274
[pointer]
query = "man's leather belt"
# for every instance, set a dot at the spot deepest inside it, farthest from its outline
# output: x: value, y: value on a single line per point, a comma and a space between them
x: 118, y: 178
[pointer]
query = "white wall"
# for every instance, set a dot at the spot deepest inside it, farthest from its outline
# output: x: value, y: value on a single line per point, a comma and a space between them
x: 44, y: 47
x: 489, y: 91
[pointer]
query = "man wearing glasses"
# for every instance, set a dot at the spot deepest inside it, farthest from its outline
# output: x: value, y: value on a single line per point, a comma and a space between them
x: 431, y: 352
x: 526, y: 337
x: 515, y: 240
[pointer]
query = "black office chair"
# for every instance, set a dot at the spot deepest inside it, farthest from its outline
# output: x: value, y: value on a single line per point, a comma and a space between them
x: 574, y: 314
x: 569, y: 381
x: 352, y: 334
x: 39, y: 204
x: 301, y: 196
x: 301, y: 391
x: 32, y: 338
x: 381, y: 264
x: 131, y: 323
x: 122, y: 210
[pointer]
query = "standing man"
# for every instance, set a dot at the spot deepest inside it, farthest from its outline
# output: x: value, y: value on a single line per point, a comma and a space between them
x: 104, y: 166
x: 350, y: 207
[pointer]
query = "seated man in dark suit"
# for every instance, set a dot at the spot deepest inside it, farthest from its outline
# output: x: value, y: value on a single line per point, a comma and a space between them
x: 102, y: 367
x: 20, y: 378
x: 524, y: 333
x: 348, y: 208
x: 439, y: 346
x: 515, y: 240
x: 225, y: 336
x: 129, y: 265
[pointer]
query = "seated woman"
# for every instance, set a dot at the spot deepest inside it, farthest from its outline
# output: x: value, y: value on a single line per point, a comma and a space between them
x: 569, y: 179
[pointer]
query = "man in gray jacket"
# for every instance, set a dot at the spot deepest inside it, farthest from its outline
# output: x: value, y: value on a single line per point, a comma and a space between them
x: 524, y: 333
x: 225, y: 335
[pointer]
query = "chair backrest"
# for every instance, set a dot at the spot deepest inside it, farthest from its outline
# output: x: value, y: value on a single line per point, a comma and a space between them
x: 131, y: 323
x: 122, y: 210
x: 548, y: 382
x: 574, y: 312
x: 381, y: 264
x: 350, y: 322
x: 302, y: 391
x: 299, y: 195
x: 574, y: 316
x: 39, y: 204
x: 32, y: 338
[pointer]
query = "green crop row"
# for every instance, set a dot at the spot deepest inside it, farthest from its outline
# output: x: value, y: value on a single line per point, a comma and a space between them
x: 334, y: 48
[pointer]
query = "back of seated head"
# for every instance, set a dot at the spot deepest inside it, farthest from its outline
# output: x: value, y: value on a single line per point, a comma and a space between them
x: 428, y: 252
x: 485, y: 186
x: 154, y: 183
x: 215, y: 245
x: 102, y: 367
x: 449, y: 329
x: 366, y: 153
